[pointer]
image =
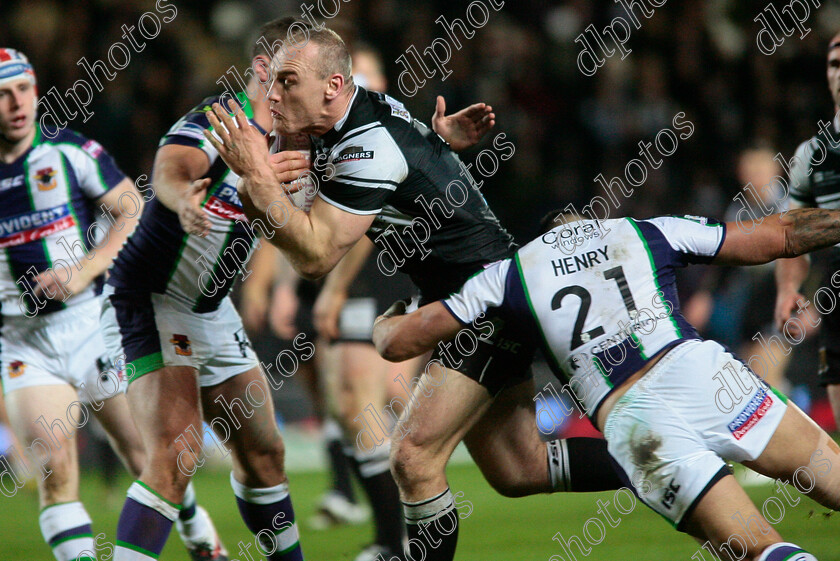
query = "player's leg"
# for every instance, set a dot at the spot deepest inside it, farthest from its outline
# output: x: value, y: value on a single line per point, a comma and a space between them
x: 167, y: 413
x: 39, y: 419
x: 444, y: 406
x: 802, y: 454
x: 516, y: 461
x: 241, y: 412
x: 194, y: 525
x: 362, y: 393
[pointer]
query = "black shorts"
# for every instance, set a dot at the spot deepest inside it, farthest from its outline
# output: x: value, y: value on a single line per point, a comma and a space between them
x: 496, y: 362
x: 829, y: 371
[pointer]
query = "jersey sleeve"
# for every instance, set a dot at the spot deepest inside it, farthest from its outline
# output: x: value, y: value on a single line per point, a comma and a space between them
x: 189, y: 130
x: 692, y: 239
x: 800, y: 175
x: 368, y: 167
x: 96, y: 170
x: 485, y: 289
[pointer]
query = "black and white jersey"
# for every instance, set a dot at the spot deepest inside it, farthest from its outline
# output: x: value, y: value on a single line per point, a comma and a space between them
x: 815, y: 171
x: 431, y: 223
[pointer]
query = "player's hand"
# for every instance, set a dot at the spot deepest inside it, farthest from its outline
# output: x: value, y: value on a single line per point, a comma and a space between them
x: 786, y: 305
x: 281, y: 316
x: 464, y: 128
x: 288, y: 166
x: 326, y: 311
x: 241, y: 146
x: 190, y: 213
x: 398, y: 308
x: 48, y: 285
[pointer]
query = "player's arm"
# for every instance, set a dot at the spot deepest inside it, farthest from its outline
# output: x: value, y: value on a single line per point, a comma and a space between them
x: 178, y: 170
x: 333, y: 294
x: 790, y: 275
x: 399, y: 336
x: 313, y: 242
x: 789, y: 234
x: 120, y: 228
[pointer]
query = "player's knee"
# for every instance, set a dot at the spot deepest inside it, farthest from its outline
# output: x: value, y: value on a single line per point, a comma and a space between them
x: 412, y: 464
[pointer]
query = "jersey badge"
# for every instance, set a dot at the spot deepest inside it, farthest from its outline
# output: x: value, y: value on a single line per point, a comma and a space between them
x: 353, y: 154
x: 16, y: 368
x: 182, y: 345
x: 93, y: 148
x: 46, y: 179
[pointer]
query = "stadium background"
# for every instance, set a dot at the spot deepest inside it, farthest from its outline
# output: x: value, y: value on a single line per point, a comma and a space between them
x: 691, y: 56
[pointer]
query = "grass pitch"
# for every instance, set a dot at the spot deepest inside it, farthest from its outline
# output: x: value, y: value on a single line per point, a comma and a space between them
x: 497, y: 529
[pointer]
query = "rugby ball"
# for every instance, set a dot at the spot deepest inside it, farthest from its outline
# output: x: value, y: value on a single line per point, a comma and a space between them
x: 301, y: 192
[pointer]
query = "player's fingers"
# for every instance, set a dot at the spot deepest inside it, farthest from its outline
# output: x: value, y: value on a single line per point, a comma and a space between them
x: 213, y: 140
x: 475, y: 111
x: 440, y: 107
x: 239, y: 116
x: 225, y: 122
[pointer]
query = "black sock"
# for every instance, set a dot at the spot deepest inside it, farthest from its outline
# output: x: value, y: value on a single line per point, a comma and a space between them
x: 340, y: 466
x: 432, y: 528
x: 384, y: 497
x: 582, y: 465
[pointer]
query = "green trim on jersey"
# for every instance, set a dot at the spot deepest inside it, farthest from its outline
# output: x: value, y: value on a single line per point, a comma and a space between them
x: 33, y: 208
x: 105, y: 187
x: 57, y: 504
x: 782, y: 397
x: 70, y: 200
x: 642, y: 352
x: 550, y: 353
x: 653, y: 270
x: 145, y: 364
x: 600, y: 367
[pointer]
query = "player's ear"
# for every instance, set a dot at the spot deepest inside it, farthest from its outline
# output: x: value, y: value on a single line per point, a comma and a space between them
x: 335, y: 84
x: 261, y: 65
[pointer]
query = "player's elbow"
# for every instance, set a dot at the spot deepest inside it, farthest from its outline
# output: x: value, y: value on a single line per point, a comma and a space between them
x: 312, y: 270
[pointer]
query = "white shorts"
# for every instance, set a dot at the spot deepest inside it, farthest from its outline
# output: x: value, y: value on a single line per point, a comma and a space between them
x: 156, y: 330
x: 63, y: 347
x: 673, y: 429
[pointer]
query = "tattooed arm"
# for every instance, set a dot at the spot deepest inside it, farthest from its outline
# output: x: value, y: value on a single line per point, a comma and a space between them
x: 790, y: 234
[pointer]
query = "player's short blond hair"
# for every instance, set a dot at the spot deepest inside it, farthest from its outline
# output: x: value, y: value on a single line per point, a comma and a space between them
x: 333, y: 56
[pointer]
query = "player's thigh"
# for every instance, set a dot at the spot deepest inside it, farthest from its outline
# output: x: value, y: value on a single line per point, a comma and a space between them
x: 362, y: 378
x: 165, y: 406
x: 727, y: 517
x: 801, y: 453
x: 38, y: 416
x: 506, y: 444
x: 243, y: 404
x: 444, y: 405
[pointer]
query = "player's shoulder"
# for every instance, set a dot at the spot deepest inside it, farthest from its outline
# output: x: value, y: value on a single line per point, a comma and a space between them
x: 68, y: 138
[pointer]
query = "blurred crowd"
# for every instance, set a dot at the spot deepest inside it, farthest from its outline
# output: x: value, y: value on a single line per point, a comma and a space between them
x: 693, y: 56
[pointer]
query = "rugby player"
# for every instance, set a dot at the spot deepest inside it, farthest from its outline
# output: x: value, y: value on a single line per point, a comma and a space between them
x: 672, y: 406
x: 166, y: 308
x: 405, y: 176
x: 50, y: 344
x: 813, y: 183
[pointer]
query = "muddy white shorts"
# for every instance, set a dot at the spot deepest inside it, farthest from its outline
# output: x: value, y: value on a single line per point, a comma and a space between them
x: 155, y: 330
x: 672, y: 431
x: 63, y: 347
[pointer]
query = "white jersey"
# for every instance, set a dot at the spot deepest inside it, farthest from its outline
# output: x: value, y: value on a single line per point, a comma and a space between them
x: 603, y: 310
x: 49, y: 199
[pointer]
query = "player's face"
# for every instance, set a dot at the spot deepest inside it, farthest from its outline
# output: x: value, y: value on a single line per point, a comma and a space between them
x: 833, y: 71
x: 17, y: 109
x: 297, y: 93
